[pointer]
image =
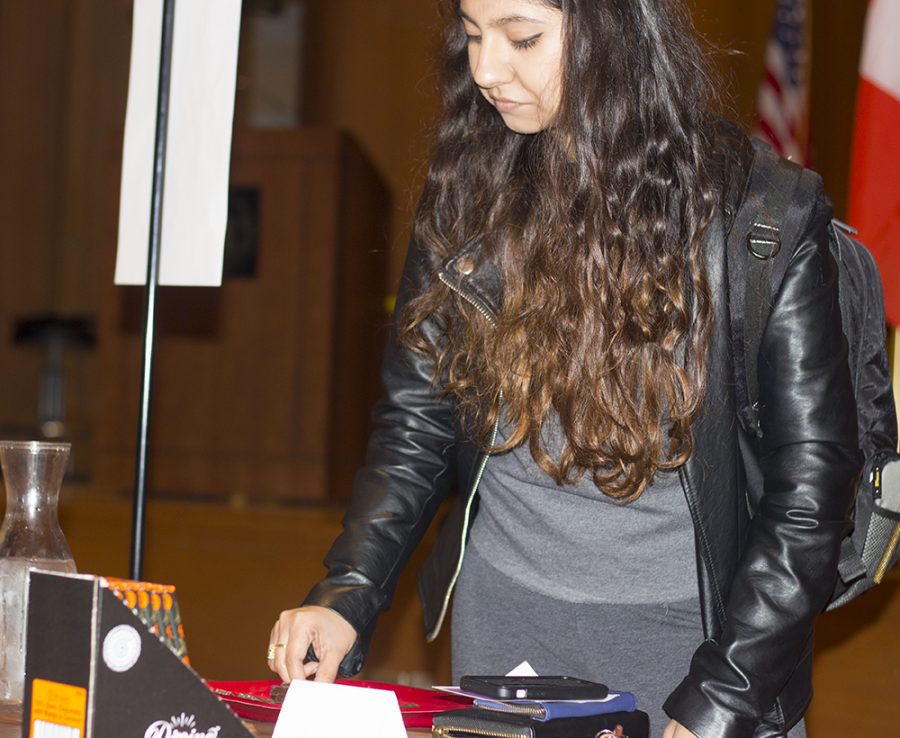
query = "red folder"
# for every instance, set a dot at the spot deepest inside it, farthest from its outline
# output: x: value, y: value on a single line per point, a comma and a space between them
x: 251, y: 700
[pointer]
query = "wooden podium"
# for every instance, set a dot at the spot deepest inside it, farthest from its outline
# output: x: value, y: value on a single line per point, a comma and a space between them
x: 261, y: 388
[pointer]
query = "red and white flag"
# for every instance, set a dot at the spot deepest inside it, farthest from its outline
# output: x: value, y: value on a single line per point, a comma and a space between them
x: 875, y: 173
x: 783, y: 99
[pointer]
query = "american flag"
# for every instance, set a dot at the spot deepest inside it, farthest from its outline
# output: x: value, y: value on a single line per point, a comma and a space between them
x: 783, y: 99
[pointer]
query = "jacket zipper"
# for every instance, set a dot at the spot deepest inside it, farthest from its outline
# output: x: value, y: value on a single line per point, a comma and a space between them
x: 536, y: 711
x: 699, y: 531
x: 480, y: 307
x: 473, y: 301
x: 449, y: 731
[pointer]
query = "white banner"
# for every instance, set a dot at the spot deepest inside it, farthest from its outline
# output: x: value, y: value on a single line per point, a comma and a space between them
x: 201, y: 108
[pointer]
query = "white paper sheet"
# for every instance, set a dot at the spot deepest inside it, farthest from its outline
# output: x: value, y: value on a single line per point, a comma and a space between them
x: 195, y: 199
x: 522, y: 670
x: 338, y: 711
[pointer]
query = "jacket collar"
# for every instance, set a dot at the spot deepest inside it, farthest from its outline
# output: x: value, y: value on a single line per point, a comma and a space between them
x: 475, y: 278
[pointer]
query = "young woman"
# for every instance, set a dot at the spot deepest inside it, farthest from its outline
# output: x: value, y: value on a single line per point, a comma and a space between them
x: 562, y: 360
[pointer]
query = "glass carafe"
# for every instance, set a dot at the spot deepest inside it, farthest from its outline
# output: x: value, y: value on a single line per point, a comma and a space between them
x: 29, y: 539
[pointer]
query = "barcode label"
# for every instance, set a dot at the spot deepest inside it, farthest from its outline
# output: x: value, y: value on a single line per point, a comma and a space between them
x: 53, y: 730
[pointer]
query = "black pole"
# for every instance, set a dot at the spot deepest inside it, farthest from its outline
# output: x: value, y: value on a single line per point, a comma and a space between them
x: 138, y: 518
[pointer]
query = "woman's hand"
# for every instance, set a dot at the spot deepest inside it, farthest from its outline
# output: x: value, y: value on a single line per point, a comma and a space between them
x: 330, y: 636
x: 677, y: 730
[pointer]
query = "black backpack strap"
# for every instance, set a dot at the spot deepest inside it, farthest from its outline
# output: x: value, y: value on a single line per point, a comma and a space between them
x: 777, y: 204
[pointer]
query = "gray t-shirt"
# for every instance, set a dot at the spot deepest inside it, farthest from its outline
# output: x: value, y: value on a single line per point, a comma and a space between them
x: 574, y: 543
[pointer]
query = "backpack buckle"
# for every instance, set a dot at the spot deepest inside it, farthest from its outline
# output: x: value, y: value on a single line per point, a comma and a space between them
x: 764, y: 241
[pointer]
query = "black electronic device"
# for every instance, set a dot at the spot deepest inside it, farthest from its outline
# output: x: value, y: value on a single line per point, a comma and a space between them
x: 534, y: 687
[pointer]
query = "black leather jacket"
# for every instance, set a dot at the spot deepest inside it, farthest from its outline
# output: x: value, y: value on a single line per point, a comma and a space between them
x: 762, y: 580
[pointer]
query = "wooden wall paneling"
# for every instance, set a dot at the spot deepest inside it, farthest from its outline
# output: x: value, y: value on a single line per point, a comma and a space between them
x: 33, y: 47
x: 737, y: 34
x: 369, y: 71
x: 856, y: 672
x: 361, y: 317
x: 96, y: 84
x: 245, y: 375
x: 836, y: 48
x: 95, y: 78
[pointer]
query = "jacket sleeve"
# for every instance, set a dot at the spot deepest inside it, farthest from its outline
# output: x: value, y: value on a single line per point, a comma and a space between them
x: 810, y: 462
x: 409, y: 470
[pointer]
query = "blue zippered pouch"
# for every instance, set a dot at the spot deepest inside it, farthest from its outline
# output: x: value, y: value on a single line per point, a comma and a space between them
x: 551, y: 709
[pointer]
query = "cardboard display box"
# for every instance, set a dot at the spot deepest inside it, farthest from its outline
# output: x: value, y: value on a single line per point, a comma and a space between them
x: 94, y: 669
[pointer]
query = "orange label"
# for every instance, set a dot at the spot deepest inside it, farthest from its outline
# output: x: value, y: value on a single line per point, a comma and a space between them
x: 57, y: 709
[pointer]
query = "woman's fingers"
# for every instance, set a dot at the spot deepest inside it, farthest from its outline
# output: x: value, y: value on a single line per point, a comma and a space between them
x: 331, y: 644
x: 675, y: 730
x: 273, y: 639
x: 275, y: 650
x: 295, y: 629
x: 330, y: 635
x: 329, y: 664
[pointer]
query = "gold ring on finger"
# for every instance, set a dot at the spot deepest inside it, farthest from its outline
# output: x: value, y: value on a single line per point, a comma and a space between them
x: 270, y: 654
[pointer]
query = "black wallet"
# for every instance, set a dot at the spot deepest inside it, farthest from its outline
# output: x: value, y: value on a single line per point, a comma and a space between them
x: 473, y: 722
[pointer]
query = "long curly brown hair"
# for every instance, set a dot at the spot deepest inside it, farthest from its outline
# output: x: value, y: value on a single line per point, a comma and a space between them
x: 596, y: 227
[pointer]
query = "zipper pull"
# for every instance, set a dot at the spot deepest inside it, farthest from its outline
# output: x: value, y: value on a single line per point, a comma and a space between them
x: 848, y: 229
